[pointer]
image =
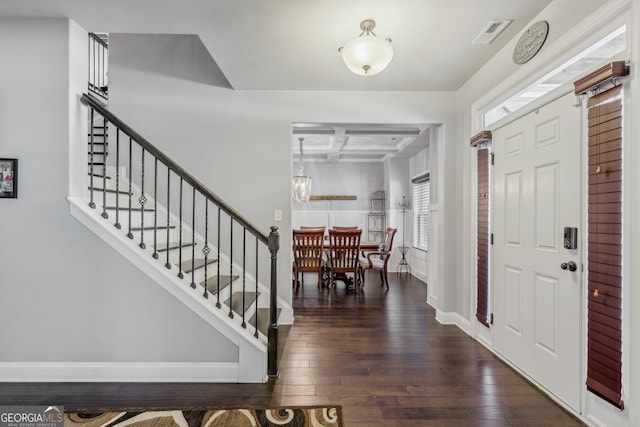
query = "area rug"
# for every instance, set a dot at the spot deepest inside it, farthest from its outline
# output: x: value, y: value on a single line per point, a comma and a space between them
x: 303, y: 416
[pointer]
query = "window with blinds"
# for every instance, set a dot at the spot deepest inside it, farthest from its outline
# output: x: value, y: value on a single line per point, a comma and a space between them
x: 482, y: 304
x: 421, y: 193
x: 604, y: 321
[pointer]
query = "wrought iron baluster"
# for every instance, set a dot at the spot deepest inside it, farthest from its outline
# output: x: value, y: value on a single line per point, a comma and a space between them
x: 193, y: 240
x: 130, y: 234
x: 95, y: 71
x: 101, y: 71
x: 244, y: 276
x: 104, y: 215
x: 206, y: 249
x: 117, y: 224
x: 168, y: 264
x: 155, y: 210
x: 89, y: 67
x: 180, y: 275
x: 92, y: 204
x: 142, y: 200
x: 257, y: 293
x: 218, y: 262
x: 231, y: 269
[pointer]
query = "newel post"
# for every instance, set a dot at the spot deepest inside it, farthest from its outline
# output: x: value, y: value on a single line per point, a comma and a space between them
x: 272, y: 363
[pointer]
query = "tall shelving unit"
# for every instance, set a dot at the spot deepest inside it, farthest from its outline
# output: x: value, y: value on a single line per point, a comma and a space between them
x: 377, y: 218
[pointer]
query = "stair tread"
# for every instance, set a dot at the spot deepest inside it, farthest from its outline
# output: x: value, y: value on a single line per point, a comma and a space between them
x: 161, y: 247
x: 236, y: 304
x: 263, y: 314
x: 199, y: 263
x: 99, y: 176
x: 212, y: 282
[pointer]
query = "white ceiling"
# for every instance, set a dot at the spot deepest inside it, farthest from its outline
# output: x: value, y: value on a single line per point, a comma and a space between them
x: 293, y: 45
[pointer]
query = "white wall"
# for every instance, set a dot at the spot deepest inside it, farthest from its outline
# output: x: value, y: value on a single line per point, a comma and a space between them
x: 345, y: 179
x: 239, y: 142
x: 397, y: 184
x: 68, y: 298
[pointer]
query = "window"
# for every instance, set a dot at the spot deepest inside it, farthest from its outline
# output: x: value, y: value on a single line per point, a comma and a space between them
x: 589, y: 58
x: 421, y: 190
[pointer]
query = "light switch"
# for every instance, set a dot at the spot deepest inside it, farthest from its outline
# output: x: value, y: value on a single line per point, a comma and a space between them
x: 277, y: 215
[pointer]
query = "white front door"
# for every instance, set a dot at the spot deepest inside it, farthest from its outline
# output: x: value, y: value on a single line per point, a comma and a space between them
x: 537, y: 316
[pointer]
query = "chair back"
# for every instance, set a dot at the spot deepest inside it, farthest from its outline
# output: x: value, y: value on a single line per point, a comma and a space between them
x: 344, y: 247
x: 318, y: 228
x: 308, y: 248
x: 345, y: 228
x: 387, y: 246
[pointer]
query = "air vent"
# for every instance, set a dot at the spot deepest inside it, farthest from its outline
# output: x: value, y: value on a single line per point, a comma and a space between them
x: 491, y: 31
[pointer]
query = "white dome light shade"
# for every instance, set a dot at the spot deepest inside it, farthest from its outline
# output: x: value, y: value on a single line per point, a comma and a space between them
x: 367, y: 55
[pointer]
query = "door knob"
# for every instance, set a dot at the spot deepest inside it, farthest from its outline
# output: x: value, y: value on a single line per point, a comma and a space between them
x: 571, y: 266
x: 564, y: 266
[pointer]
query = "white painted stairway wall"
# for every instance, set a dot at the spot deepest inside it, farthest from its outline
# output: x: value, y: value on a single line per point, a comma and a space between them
x: 251, y: 365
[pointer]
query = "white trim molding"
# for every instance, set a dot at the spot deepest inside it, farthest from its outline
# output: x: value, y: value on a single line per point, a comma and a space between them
x: 120, y: 372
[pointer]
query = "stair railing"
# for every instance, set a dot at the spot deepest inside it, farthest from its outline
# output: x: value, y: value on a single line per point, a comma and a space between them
x: 98, y: 57
x: 132, y: 151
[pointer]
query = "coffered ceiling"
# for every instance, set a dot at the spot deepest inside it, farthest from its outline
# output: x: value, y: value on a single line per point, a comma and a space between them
x: 340, y: 142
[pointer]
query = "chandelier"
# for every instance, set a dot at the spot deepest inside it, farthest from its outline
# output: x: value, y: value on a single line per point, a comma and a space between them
x: 368, y: 54
x: 301, y: 183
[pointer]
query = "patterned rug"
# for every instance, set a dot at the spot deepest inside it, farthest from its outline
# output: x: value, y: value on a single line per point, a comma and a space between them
x: 230, y: 417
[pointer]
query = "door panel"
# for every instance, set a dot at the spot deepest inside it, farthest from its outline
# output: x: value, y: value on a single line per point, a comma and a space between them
x: 537, y: 191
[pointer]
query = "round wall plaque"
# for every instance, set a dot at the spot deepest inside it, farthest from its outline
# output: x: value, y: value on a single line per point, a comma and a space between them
x: 530, y: 42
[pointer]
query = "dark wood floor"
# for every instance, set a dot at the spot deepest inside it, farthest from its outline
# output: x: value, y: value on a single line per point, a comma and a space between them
x: 379, y: 354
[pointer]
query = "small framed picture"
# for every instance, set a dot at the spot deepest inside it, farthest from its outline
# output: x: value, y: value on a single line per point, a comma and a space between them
x: 8, y: 178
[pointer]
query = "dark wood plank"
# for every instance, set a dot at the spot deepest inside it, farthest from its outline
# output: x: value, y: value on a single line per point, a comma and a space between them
x: 380, y: 354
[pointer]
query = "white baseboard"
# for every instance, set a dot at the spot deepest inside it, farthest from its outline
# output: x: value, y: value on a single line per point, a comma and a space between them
x: 452, y: 318
x: 119, y: 372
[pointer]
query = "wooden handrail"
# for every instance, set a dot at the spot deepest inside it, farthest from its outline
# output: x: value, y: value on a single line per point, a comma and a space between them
x: 98, y: 106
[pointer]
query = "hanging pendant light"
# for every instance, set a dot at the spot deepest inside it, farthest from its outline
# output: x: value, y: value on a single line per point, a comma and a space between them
x: 301, y: 183
x: 368, y: 54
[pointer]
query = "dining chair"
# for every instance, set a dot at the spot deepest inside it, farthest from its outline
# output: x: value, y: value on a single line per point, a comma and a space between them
x: 378, y: 260
x: 345, y: 228
x: 344, y: 246
x: 308, y: 254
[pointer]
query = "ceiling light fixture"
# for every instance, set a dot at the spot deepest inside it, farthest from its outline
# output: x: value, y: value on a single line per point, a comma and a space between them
x: 301, y: 183
x: 368, y: 54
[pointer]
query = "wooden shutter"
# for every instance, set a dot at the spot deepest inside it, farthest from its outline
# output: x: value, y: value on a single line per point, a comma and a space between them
x: 604, y: 342
x: 482, y: 304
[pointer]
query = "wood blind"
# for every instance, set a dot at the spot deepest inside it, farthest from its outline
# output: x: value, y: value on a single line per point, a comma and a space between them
x: 604, y: 342
x: 421, y: 194
x: 482, y: 304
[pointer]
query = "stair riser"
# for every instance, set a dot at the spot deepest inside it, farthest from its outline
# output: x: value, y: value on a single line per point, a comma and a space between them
x: 212, y: 268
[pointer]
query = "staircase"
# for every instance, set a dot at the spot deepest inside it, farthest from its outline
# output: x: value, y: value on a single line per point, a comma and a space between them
x: 185, y: 237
